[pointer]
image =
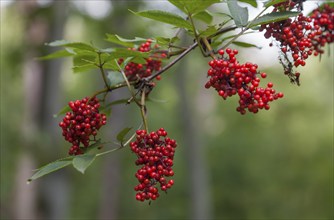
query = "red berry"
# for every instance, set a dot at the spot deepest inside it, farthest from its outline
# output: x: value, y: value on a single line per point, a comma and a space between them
x: 155, y: 153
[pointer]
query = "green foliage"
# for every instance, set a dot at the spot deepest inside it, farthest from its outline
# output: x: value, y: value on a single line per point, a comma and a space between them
x: 166, y: 41
x: 273, y: 17
x: 272, y: 2
x: 205, y: 16
x: 114, y: 38
x: 114, y: 78
x: 57, y: 54
x: 194, y: 6
x: 121, y: 135
x: 165, y: 17
x: 51, y: 167
x: 74, y: 45
x: 244, y: 44
x: 82, y: 162
x: 239, y: 14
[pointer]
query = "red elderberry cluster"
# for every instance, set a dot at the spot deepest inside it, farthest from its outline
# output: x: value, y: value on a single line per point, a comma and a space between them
x: 324, y: 18
x: 229, y: 78
x: 84, y: 121
x: 155, y: 152
x: 135, y: 71
x: 300, y: 37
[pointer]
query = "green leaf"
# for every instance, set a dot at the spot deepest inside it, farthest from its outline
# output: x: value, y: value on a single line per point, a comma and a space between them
x: 272, y: 2
x: 125, y: 53
x: 193, y: 6
x: 239, y: 14
x: 273, y: 17
x: 209, y: 31
x: 83, y: 68
x: 244, y: 44
x: 114, y: 38
x: 121, y: 135
x: 85, y: 58
x: 62, y: 111
x: 250, y: 2
x: 166, y: 41
x: 165, y: 17
x: 205, y: 16
x: 82, y: 162
x: 57, y: 54
x: 114, y: 78
x: 77, y: 45
x: 51, y: 167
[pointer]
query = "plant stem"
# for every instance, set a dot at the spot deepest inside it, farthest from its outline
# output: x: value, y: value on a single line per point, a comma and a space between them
x: 149, y: 78
x: 100, y: 65
x: 196, y: 35
x: 128, y: 84
x: 143, y: 109
x: 208, y: 46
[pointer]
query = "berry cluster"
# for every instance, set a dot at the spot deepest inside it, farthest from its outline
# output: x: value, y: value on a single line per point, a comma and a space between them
x: 155, y: 151
x: 229, y: 78
x: 84, y: 121
x: 135, y: 71
x: 300, y: 37
x: 324, y: 18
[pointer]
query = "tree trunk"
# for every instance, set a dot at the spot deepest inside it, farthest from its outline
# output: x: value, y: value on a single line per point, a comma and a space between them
x: 41, y: 90
x: 199, y: 191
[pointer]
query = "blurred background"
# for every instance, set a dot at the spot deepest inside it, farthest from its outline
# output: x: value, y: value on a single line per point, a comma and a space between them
x: 277, y: 164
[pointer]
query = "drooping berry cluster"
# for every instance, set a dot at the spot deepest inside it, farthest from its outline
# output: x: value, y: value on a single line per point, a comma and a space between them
x: 300, y: 37
x: 155, y: 152
x: 324, y: 18
x: 229, y: 78
x: 84, y: 121
x: 135, y: 71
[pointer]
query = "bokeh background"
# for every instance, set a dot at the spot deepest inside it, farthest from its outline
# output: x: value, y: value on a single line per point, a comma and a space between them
x: 277, y: 164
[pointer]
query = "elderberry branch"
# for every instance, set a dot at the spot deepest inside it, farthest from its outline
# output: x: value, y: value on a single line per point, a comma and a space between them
x: 143, y: 108
x: 149, y: 78
x: 196, y: 35
x: 128, y: 84
x: 100, y: 65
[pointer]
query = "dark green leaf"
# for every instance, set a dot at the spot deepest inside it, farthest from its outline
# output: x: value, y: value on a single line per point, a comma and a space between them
x: 244, y: 44
x: 121, y: 135
x: 83, y: 59
x: 209, y: 31
x: 62, y: 111
x: 193, y: 6
x: 114, y: 78
x: 57, y: 54
x: 125, y: 53
x: 165, y: 17
x: 273, y: 17
x: 51, y: 167
x: 166, y: 41
x: 239, y: 14
x: 114, y: 38
x: 205, y: 16
x: 84, y: 68
x: 250, y: 2
x: 77, y: 45
x: 82, y: 162
x: 272, y: 2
